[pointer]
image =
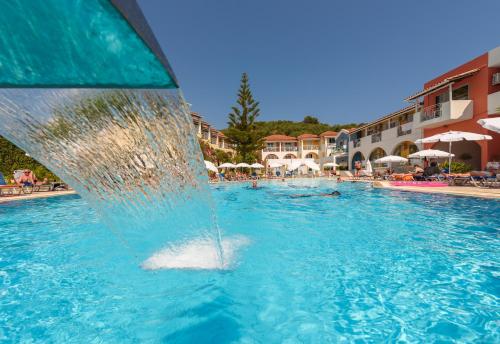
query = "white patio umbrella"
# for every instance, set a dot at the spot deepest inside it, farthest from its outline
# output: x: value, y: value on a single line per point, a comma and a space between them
x: 492, y: 124
x: 368, y: 167
x: 227, y: 165
x: 454, y: 136
x: 390, y: 158
x: 294, y: 165
x: 430, y: 153
x: 331, y: 164
x: 257, y: 165
x: 275, y: 164
x: 210, y: 166
x: 312, y: 165
x: 243, y: 164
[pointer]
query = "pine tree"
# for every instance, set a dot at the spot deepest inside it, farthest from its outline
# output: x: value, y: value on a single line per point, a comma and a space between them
x: 242, y: 129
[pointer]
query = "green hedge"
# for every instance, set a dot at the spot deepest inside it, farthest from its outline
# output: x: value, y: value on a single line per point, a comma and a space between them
x: 13, y: 158
x: 457, y: 167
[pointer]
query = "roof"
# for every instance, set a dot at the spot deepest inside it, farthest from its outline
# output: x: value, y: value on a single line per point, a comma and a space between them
x: 278, y: 137
x: 307, y: 136
x: 328, y: 133
x: 407, y: 109
x: 442, y: 84
x: 195, y: 114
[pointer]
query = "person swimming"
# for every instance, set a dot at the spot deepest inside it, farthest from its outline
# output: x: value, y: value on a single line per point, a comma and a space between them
x: 334, y: 193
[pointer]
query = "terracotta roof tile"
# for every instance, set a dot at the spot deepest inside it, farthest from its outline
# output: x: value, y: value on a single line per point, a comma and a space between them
x: 328, y: 133
x: 278, y: 137
x: 307, y: 136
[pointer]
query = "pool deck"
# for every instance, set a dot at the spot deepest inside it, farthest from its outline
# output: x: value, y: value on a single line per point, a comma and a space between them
x: 34, y: 195
x: 469, y: 191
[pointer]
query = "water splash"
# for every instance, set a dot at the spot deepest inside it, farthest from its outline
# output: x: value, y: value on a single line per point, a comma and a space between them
x: 132, y: 154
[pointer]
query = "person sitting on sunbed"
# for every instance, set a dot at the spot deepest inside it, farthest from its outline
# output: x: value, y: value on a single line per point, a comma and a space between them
x: 418, y: 172
x: 432, y: 170
x: 26, y: 179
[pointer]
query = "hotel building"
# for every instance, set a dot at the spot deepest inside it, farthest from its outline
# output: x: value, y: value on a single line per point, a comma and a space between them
x: 210, y: 135
x: 455, y: 100
x: 329, y: 146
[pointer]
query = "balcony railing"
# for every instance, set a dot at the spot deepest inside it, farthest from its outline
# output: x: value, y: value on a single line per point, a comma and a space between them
x: 310, y: 147
x: 430, y: 112
x: 402, y: 132
x: 289, y: 148
x: 376, y: 137
x: 271, y: 149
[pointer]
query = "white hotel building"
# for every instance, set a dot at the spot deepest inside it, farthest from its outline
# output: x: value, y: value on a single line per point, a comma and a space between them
x: 394, y: 134
x: 329, y: 146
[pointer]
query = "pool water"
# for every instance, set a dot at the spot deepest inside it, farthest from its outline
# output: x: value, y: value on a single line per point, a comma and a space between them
x: 369, y: 266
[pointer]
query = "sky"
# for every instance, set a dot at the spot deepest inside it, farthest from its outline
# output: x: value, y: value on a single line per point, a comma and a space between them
x: 341, y: 61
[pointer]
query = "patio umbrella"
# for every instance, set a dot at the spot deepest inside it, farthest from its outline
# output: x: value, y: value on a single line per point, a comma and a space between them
x: 492, y: 124
x: 331, y: 164
x: 275, y: 164
x: 243, y: 164
x: 227, y: 165
x: 294, y: 165
x: 312, y: 165
x: 454, y: 136
x: 368, y: 167
x: 390, y: 158
x: 210, y: 166
x: 430, y: 153
x: 257, y: 165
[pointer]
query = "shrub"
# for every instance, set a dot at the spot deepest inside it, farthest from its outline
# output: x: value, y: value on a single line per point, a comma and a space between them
x: 457, y: 167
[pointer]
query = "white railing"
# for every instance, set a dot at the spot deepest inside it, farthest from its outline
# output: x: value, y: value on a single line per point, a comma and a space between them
x: 271, y: 149
x: 310, y: 147
x: 289, y: 148
x: 430, y: 112
x: 377, y: 137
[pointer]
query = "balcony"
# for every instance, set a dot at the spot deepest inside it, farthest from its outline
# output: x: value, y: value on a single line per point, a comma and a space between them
x: 404, y: 129
x: 271, y: 149
x: 356, y: 143
x: 376, y: 137
x: 310, y: 147
x: 445, y: 113
x: 283, y: 149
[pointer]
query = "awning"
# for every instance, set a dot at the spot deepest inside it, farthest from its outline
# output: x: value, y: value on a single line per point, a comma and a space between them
x: 442, y: 84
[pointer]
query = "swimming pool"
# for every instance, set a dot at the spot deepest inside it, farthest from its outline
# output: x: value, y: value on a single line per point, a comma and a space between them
x: 371, y: 265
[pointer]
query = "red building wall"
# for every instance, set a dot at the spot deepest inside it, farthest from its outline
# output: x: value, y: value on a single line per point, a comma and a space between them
x: 479, y: 88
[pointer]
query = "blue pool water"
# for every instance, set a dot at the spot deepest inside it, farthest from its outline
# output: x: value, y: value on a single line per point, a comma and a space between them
x: 369, y: 266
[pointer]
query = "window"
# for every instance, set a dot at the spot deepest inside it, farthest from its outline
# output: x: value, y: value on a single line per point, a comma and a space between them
x: 461, y: 93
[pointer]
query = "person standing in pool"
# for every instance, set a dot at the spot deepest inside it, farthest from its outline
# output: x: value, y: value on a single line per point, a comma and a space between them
x: 357, y: 167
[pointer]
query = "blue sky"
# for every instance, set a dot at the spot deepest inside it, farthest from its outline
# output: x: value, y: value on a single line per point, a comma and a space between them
x: 341, y: 61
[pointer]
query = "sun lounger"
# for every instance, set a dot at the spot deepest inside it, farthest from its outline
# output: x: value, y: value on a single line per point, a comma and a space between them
x: 8, y: 190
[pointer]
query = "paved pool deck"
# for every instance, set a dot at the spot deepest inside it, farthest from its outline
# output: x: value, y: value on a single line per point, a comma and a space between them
x: 35, y: 195
x: 468, y: 191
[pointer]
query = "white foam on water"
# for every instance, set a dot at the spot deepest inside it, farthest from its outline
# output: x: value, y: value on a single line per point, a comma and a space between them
x: 198, y: 254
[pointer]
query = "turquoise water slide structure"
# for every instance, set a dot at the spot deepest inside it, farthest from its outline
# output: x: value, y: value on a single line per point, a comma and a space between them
x: 86, y: 90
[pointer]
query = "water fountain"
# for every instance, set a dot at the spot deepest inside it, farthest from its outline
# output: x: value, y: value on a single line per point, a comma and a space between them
x: 90, y: 95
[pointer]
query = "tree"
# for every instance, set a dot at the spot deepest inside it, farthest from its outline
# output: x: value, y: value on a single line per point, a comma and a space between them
x: 310, y: 120
x: 242, y: 129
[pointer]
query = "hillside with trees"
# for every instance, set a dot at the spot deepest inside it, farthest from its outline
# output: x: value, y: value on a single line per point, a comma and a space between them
x: 310, y: 125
